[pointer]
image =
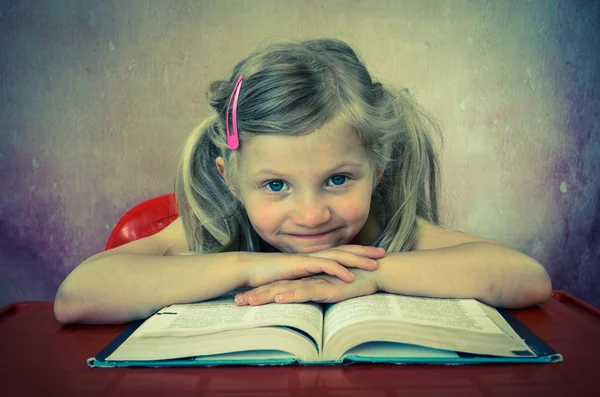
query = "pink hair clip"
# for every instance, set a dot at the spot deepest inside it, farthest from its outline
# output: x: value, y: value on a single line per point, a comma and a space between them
x: 233, y: 139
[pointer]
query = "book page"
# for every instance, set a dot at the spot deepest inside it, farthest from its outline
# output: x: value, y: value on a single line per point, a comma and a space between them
x: 222, y: 314
x: 449, y: 324
x: 397, y: 350
x: 464, y: 314
x: 246, y: 343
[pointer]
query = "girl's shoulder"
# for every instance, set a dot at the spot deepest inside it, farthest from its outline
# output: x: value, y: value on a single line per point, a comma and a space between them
x: 430, y: 236
x: 172, y: 238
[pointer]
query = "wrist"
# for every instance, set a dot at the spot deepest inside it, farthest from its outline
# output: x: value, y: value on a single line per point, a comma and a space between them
x: 368, y: 276
x: 386, y: 275
x: 241, y: 267
x: 378, y: 278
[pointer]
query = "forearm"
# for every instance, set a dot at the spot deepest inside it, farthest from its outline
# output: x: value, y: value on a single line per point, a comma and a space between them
x: 124, y: 287
x: 492, y: 273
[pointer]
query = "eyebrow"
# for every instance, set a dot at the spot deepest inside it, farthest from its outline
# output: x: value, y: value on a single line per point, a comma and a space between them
x: 269, y: 171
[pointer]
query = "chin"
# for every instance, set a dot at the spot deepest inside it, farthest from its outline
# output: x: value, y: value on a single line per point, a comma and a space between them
x: 309, y: 250
x: 316, y: 248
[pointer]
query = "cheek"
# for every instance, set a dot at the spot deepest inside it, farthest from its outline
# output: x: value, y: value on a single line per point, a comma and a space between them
x: 354, y: 210
x: 264, y: 216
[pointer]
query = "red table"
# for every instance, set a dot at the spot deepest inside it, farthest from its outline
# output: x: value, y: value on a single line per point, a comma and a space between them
x: 39, y: 357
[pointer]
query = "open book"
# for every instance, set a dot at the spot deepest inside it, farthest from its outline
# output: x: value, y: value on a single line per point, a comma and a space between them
x: 375, y: 328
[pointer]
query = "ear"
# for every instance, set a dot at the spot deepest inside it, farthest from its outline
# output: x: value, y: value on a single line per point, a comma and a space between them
x: 220, y: 163
x: 378, y: 175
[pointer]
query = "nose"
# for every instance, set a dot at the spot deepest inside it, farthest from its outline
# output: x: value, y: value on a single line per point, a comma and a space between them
x: 311, y: 212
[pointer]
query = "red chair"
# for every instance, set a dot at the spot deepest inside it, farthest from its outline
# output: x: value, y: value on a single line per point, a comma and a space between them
x: 145, y: 219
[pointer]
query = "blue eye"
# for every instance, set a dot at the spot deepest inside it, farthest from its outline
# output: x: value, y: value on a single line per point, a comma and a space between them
x: 276, y: 186
x: 338, y: 180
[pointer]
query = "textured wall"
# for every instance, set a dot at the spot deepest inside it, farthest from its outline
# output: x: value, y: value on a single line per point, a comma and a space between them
x: 96, y: 99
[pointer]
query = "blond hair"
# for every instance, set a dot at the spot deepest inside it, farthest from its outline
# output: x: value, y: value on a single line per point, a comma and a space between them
x: 294, y: 88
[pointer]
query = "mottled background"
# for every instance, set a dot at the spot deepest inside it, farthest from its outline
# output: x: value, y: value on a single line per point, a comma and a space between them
x: 97, y: 97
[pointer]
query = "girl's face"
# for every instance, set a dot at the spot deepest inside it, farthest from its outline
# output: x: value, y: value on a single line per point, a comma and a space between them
x: 306, y: 193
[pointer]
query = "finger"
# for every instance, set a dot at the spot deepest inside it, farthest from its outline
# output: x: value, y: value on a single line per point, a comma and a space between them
x: 306, y: 265
x: 327, y: 266
x: 364, y: 250
x: 306, y: 293
x: 243, y: 298
x: 306, y: 290
x: 268, y: 293
x: 261, y: 296
x: 348, y: 259
x: 296, y: 266
x: 322, y: 290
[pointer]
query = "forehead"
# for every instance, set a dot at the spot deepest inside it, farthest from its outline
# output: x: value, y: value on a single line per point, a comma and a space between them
x: 324, y: 148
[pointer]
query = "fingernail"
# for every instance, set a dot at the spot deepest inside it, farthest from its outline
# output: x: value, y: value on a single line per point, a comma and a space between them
x: 252, y: 298
x: 278, y: 297
x: 239, y: 299
x: 374, y: 262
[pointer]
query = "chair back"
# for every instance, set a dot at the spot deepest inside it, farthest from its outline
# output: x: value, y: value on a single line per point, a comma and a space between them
x: 145, y: 219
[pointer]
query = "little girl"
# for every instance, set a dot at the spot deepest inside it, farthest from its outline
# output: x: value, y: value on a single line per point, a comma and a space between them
x: 311, y: 182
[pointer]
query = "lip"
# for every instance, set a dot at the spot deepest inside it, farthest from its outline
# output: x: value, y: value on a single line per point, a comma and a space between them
x: 315, y: 236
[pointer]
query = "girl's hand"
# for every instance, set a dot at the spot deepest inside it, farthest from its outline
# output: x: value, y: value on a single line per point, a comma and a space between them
x: 267, y: 268
x: 319, y: 288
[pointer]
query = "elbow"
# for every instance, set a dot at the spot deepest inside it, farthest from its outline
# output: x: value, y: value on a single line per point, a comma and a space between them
x: 61, y: 313
x: 543, y: 291
x: 70, y: 303
x: 532, y: 286
x: 73, y: 307
x: 65, y: 309
x: 535, y: 290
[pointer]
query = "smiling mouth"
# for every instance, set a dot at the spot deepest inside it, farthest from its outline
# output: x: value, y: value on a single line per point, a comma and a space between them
x: 315, y: 235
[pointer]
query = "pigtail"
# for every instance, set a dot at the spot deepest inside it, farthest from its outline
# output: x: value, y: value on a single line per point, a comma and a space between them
x: 210, y: 214
x: 410, y: 183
